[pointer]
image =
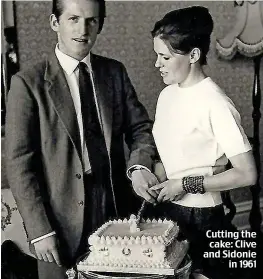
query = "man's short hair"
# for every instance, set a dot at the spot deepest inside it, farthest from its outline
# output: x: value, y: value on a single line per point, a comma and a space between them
x: 57, y: 10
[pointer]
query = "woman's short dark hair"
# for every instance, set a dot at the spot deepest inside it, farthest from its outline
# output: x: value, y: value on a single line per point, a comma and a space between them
x: 185, y: 29
x: 57, y: 10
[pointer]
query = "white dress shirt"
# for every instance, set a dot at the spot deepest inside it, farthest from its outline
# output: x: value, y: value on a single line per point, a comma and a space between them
x: 71, y: 71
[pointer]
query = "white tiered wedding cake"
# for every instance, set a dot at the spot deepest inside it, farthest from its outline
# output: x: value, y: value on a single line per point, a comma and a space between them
x: 126, y: 246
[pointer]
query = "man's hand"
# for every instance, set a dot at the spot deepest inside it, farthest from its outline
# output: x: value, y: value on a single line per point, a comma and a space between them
x: 142, y: 181
x: 47, y: 250
x: 170, y: 190
x: 219, y: 169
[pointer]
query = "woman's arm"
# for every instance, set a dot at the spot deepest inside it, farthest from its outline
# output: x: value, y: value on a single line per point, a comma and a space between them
x: 243, y: 173
x: 226, y: 125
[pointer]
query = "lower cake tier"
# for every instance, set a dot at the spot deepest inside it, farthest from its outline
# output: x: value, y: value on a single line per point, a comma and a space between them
x: 135, y: 258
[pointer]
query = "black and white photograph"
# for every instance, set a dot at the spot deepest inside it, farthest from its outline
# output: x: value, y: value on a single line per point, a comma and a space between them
x: 131, y: 139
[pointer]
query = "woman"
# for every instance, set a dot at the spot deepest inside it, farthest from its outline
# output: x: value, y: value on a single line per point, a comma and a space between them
x: 197, y: 129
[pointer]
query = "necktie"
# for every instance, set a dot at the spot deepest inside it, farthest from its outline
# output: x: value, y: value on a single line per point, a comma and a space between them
x: 98, y: 193
x: 93, y: 133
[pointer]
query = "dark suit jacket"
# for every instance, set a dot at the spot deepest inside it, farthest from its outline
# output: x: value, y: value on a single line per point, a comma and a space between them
x: 44, y: 165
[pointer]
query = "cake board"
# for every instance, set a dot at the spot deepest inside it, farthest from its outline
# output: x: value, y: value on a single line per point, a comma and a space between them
x: 181, y: 252
x: 183, y: 272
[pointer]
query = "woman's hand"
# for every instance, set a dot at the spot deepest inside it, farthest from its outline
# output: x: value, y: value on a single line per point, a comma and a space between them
x: 170, y: 190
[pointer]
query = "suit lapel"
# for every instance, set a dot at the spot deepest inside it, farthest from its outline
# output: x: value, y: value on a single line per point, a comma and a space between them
x: 104, y: 91
x: 62, y: 100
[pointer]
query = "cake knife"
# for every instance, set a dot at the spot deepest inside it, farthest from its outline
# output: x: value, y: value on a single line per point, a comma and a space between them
x: 140, y: 212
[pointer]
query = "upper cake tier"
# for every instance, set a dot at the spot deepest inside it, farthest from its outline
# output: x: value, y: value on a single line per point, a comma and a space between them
x: 151, y: 232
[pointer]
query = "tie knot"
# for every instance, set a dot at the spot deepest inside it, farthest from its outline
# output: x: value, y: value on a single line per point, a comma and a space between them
x: 82, y: 66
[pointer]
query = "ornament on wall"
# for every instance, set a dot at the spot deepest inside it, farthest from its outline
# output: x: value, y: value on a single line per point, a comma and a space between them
x: 6, y: 214
x: 246, y: 37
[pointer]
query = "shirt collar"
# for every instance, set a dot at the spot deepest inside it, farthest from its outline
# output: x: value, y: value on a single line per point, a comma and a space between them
x: 68, y: 63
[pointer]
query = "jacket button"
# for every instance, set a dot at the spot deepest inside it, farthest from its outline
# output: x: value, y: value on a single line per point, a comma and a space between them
x: 78, y: 176
x: 81, y: 203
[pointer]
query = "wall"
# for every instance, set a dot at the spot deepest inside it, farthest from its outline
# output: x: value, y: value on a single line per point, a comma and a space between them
x: 126, y: 37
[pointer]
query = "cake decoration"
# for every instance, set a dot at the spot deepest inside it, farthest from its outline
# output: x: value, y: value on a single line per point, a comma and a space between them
x: 134, y: 224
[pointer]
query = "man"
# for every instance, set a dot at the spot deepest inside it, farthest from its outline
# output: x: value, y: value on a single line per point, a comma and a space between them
x: 64, y: 136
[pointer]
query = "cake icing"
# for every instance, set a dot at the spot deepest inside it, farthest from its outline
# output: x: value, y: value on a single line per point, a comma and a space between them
x: 151, y: 244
